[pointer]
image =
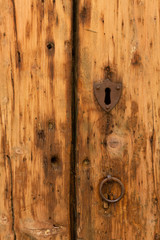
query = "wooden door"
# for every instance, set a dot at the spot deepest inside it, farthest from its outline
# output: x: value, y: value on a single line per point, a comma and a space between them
x: 119, y: 40
x: 57, y: 143
x: 35, y: 117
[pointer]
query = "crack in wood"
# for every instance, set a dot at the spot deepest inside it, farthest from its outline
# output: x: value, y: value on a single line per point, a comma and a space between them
x: 12, y: 82
x: 12, y: 205
x: 152, y: 148
x: 17, y: 52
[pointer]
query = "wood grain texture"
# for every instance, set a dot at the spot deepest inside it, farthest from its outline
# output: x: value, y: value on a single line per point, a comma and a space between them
x: 35, y: 118
x: 119, y: 40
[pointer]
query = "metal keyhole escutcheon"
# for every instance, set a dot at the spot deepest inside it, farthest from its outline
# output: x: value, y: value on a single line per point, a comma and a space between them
x: 107, y: 93
x: 111, y: 179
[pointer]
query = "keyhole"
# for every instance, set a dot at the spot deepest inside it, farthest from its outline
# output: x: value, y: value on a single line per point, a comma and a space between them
x: 107, y: 99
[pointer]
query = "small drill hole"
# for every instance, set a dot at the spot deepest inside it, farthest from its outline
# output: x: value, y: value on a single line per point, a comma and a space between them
x: 50, y: 46
x: 54, y: 160
x: 107, y: 99
x: 108, y: 69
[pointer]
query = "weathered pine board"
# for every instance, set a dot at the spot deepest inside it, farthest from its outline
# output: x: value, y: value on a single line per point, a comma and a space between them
x: 35, y: 118
x: 121, y: 40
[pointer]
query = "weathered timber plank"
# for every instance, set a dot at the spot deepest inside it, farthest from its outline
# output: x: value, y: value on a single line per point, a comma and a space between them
x: 35, y: 118
x: 119, y: 40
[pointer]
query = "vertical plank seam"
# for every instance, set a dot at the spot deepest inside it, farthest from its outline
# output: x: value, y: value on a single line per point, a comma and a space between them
x: 12, y: 205
x: 73, y: 197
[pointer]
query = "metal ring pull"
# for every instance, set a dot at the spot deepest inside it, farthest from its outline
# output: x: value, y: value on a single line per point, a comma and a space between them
x: 110, y: 179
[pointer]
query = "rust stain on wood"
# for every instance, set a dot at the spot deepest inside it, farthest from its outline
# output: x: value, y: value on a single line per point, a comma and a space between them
x: 136, y: 59
x: 85, y: 13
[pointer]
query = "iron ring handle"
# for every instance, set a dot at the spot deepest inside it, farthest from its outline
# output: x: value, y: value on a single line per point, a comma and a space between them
x: 109, y: 179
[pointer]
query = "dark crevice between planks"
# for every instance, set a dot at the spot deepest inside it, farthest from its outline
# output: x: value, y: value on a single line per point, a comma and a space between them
x: 73, y: 201
x: 12, y: 205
